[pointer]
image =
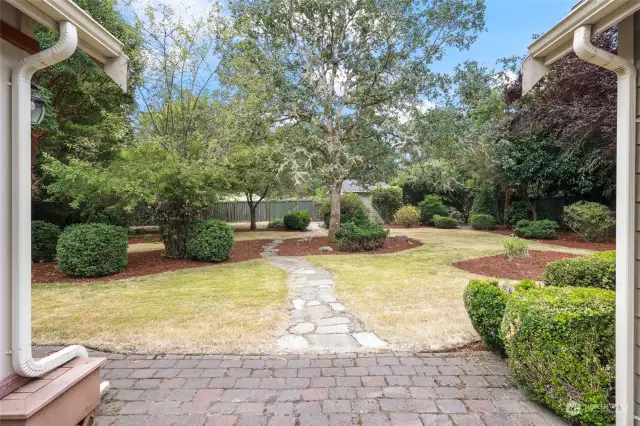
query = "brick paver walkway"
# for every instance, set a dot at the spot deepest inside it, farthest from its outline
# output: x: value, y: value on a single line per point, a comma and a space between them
x: 342, y: 389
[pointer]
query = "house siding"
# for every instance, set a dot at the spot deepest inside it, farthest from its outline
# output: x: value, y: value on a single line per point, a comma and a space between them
x: 636, y: 55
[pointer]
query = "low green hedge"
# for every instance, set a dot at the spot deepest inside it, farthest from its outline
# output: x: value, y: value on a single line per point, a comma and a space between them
x: 368, y: 237
x: 538, y: 229
x: 485, y: 303
x: 561, y: 348
x: 92, y: 250
x: 444, y: 222
x: 44, y: 238
x: 296, y: 220
x: 209, y: 241
x: 595, y: 270
x: 483, y: 221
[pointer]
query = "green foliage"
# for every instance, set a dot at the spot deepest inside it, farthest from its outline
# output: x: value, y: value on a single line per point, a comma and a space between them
x: 538, y: 229
x: 484, y: 202
x: 455, y: 214
x: 525, y: 285
x: 561, y: 348
x: 44, y: 238
x: 483, y: 221
x: 296, y: 220
x: 92, y: 250
x: 518, y: 210
x: 595, y: 270
x: 444, y: 222
x: 349, y: 204
x: 275, y: 224
x: 407, y: 217
x: 364, y: 237
x: 386, y: 201
x: 516, y: 248
x: 591, y: 221
x: 485, y: 303
x: 209, y: 241
x: 430, y: 206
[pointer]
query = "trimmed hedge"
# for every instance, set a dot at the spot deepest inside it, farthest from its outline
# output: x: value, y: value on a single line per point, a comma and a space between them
x: 407, y: 217
x: 485, y: 303
x: 92, y: 250
x: 386, y: 201
x: 209, y: 241
x: 296, y: 220
x: 595, y: 270
x: 368, y: 237
x: 591, y: 221
x: 44, y: 238
x: 538, y: 229
x: 431, y: 205
x: 444, y: 222
x: 483, y: 221
x: 561, y: 348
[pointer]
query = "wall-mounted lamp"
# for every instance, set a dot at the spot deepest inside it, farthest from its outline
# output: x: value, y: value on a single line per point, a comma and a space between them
x: 37, y: 106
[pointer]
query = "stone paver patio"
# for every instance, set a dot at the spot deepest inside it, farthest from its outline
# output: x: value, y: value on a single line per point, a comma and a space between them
x: 319, y: 389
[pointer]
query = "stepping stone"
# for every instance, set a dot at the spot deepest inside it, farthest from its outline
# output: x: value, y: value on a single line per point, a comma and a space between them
x: 332, y: 341
x: 332, y: 329
x: 338, y: 307
x: 313, y: 303
x: 298, y: 303
x: 327, y: 299
x: 370, y: 340
x: 302, y: 328
x: 319, y: 312
x: 292, y: 341
x: 331, y: 321
x: 322, y: 282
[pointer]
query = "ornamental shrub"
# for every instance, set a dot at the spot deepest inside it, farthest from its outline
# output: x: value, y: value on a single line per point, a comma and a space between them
x: 516, y: 248
x: 518, y: 210
x: 444, y: 222
x: 386, y: 201
x: 358, y: 217
x: 44, y: 238
x: 591, y: 221
x: 483, y: 221
x: 430, y: 206
x: 296, y: 220
x: 485, y: 303
x: 561, y: 348
x: 92, y: 250
x: 352, y: 237
x: 349, y: 202
x: 538, y: 229
x: 209, y: 241
x: 595, y: 270
x: 484, y: 202
x: 407, y: 217
x: 455, y: 214
x: 525, y: 285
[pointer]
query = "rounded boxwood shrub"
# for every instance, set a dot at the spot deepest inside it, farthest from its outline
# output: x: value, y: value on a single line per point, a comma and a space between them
x: 561, y: 348
x: 407, y: 217
x: 386, y: 201
x: 539, y: 229
x: 483, y: 221
x: 518, y: 210
x: 296, y: 220
x: 431, y: 205
x: 444, y: 222
x: 44, y: 238
x: 485, y: 303
x: 92, y: 250
x: 209, y: 241
x: 352, y: 237
x: 591, y: 221
x: 595, y: 270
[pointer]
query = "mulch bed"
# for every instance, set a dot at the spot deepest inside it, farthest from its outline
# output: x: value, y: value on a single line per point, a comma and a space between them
x: 569, y: 239
x: 295, y: 247
x: 140, y: 239
x: 500, y: 266
x: 147, y: 263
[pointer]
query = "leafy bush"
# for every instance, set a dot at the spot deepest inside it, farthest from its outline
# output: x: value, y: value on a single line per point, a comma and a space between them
x: 525, y: 285
x: 209, y: 241
x: 539, y: 229
x: 92, y: 250
x: 386, y: 201
x: 595, y: 270
x: 591, y: 221
x: 484, y: 202
x: 358, y: 217
x: 444, y: 222
x: 349, y: 203
x: 485, y: 303
x: 297, y: 220
x: 561, y: 348
x: 275, y: 224
x: 407, y: 217
x: 483, y: 221
x: 352, y: 237
x: 430, y: 206
x: 455, y: 214
x: 516, y: 248
x: 44, y: 238
x: 518, y: 210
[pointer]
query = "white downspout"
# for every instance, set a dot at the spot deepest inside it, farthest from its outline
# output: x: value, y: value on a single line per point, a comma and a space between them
x: 22, y: 357
x: 625, y: 229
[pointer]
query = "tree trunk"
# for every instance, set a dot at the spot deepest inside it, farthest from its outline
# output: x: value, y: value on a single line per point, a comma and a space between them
x: 174, y: 235
x: 334, y: 222
x: 534, y: 209
x: 252, y: 213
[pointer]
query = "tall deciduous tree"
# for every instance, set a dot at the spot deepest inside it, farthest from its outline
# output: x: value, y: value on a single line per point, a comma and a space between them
x: 345, y: 69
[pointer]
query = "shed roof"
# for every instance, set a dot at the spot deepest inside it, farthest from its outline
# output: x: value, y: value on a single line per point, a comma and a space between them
x: 353, y: 186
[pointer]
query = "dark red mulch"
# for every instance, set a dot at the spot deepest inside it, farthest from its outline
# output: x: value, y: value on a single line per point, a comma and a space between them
x: 568, y: 239
x: 139, y: 239
x: 500, y: 266
x: 147, y: 263
x: 295, y: 247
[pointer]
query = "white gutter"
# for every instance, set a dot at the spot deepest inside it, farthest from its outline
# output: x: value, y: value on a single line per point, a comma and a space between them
x: 625, y: 195
x: 22, y: 357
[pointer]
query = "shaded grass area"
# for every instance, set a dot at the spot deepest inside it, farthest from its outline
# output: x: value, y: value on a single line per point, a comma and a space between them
x: 227, y: 308
x: 414, y: 298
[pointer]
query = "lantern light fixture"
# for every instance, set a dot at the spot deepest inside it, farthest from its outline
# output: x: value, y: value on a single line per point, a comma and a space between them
x: 37, y: 106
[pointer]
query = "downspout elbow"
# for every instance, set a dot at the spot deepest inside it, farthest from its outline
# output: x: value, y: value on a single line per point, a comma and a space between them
x: 586, y: 51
